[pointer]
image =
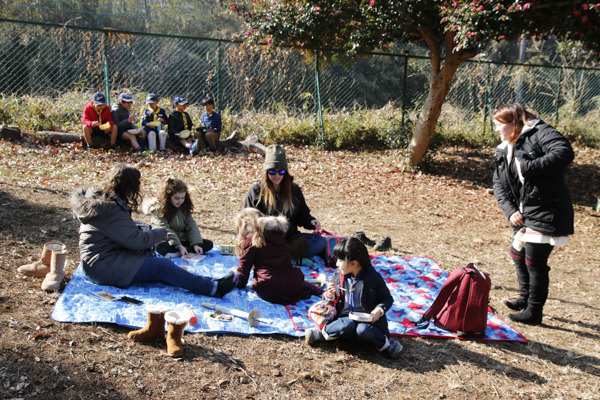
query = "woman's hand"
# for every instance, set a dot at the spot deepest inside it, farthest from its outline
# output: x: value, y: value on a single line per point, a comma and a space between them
x: 198, y: 249
x: 516, y: 219
x: 182, y: 250
x: 376, y: 314
x: 330, y: 293
x: 316, y: 224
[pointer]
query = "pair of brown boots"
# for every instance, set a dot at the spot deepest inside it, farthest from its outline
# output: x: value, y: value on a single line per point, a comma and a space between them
x: 155, y: 329
x: 51, y: 266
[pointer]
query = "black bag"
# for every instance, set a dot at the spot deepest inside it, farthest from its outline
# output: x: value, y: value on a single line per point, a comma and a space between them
x: 144, y: 226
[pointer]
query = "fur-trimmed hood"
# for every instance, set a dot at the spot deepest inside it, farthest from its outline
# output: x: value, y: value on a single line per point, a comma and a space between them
x: 150, y: 206
x: 90, y: 202
x: 279, y: 223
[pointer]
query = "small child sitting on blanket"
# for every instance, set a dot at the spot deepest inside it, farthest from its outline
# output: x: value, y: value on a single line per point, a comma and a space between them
x: 260, y: 243
x: 173, y: 211
x: 360, y: 289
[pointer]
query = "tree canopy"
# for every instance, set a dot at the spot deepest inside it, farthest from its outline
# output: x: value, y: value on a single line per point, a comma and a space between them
x: 452, y: 30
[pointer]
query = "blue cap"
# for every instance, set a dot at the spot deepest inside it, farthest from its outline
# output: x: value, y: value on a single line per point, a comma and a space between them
x: 152, y: 98
x: 126, y: 97
x: 179, y: 100
x: 99, y: 99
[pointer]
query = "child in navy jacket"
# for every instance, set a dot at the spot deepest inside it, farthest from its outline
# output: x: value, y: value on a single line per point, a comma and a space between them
x: 360, y: 289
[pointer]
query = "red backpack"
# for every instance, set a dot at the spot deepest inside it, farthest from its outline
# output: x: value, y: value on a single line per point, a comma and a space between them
x: 461, y: 306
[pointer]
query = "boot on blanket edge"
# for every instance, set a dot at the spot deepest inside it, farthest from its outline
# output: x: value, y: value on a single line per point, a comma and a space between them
x: 155, y: 327
x: 225, y: 284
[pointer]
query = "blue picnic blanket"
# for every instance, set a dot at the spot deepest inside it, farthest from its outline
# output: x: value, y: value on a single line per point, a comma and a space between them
x: 413, y: 282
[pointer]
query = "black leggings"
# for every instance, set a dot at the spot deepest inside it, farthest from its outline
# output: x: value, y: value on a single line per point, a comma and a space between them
x: 164, y: 247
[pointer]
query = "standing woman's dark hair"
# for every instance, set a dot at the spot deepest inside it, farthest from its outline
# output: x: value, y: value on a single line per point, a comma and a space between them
x: 124, y: 182
x: 171, y: 187
x: 352, y: 249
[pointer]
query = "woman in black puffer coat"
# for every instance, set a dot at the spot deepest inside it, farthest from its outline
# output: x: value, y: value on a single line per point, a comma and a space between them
x: 530, y: 188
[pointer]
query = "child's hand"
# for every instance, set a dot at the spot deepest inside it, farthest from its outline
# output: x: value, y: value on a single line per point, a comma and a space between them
x: 95, y: 124
x: 316, y: 224
x: 131, y: 118
x: 376, y: 314
x: 162, y: 120
x: 198, y: 249
x: 330, y: 293
x: 182, y: 250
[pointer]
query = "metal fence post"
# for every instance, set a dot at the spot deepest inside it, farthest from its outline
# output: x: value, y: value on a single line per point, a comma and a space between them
x: 404, y: 91
x: 558, y: 92
x: 105, y: 64
x: 489, y: 98
x: 219, y: 107
x: 318, y: 98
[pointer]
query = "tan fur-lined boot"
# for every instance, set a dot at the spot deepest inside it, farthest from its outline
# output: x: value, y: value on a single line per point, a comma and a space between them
x: 155, y: 327
x: 177, y: 322
x: 42, y: 267
x: 57, y: 267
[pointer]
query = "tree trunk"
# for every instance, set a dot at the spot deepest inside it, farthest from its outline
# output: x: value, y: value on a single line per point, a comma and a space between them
x: 440, y: 83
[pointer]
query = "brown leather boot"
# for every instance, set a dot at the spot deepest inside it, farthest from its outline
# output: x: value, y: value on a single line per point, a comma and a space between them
x: 42, y: 267
x: 177, y: 322
x: 155, y: 327
x: 57, y: 267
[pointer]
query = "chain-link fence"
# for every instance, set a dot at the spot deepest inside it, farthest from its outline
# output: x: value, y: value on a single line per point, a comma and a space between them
x: 50, y: 61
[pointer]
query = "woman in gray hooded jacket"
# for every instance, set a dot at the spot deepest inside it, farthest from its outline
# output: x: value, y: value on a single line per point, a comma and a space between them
x: 111, y: 244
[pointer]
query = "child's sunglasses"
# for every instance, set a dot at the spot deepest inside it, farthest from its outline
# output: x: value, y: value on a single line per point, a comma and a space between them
x: 275, y: 172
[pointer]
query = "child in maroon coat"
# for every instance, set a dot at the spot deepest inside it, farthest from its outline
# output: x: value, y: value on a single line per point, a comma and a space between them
x: 260, y: 243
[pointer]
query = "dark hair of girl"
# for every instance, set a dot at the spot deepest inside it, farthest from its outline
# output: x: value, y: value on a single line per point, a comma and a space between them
x: 514, y: 113
x: 268, y: 196
x: 171, y: 187
x: 352, y: 249
x: 124, y: 182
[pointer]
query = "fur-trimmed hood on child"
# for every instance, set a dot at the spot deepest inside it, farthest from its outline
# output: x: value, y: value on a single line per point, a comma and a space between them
x: 279, y: 223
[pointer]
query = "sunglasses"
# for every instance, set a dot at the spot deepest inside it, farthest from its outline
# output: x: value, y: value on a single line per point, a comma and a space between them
x: 275, y: 172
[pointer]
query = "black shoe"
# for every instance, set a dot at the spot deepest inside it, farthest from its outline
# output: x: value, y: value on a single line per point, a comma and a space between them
x: 528, y: 316
x: 384, y: 244
x: 517, y: 305
x: 225, y: 285
x: 364, y: 239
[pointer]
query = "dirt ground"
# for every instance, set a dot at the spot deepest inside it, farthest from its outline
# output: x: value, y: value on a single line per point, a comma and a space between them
x: 445, y: 212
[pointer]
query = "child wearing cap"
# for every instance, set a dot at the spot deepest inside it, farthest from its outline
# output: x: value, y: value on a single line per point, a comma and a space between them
x: 180, y: 121
x: 211, y: 123
x: 152, y: 116
x: 95, y: 115
x: 124, y: 122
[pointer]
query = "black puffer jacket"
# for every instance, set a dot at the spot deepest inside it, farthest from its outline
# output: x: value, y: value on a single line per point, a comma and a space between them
x: 544, y: 155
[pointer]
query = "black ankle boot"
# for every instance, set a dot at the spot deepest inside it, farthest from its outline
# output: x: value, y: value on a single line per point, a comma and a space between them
x: 517, y: 305
x: 530, y: 316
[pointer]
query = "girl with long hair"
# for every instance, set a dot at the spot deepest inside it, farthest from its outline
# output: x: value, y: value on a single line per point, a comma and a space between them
x: 173, y: 211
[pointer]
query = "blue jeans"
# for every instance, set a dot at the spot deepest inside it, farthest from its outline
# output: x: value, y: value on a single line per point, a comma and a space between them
x: 345, y: 328
x: 316, y: 244
x: 165, y: 270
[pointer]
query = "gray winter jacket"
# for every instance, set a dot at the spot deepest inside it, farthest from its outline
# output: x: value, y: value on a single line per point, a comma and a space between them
x: 110, y: 243
x: 120, y: 116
